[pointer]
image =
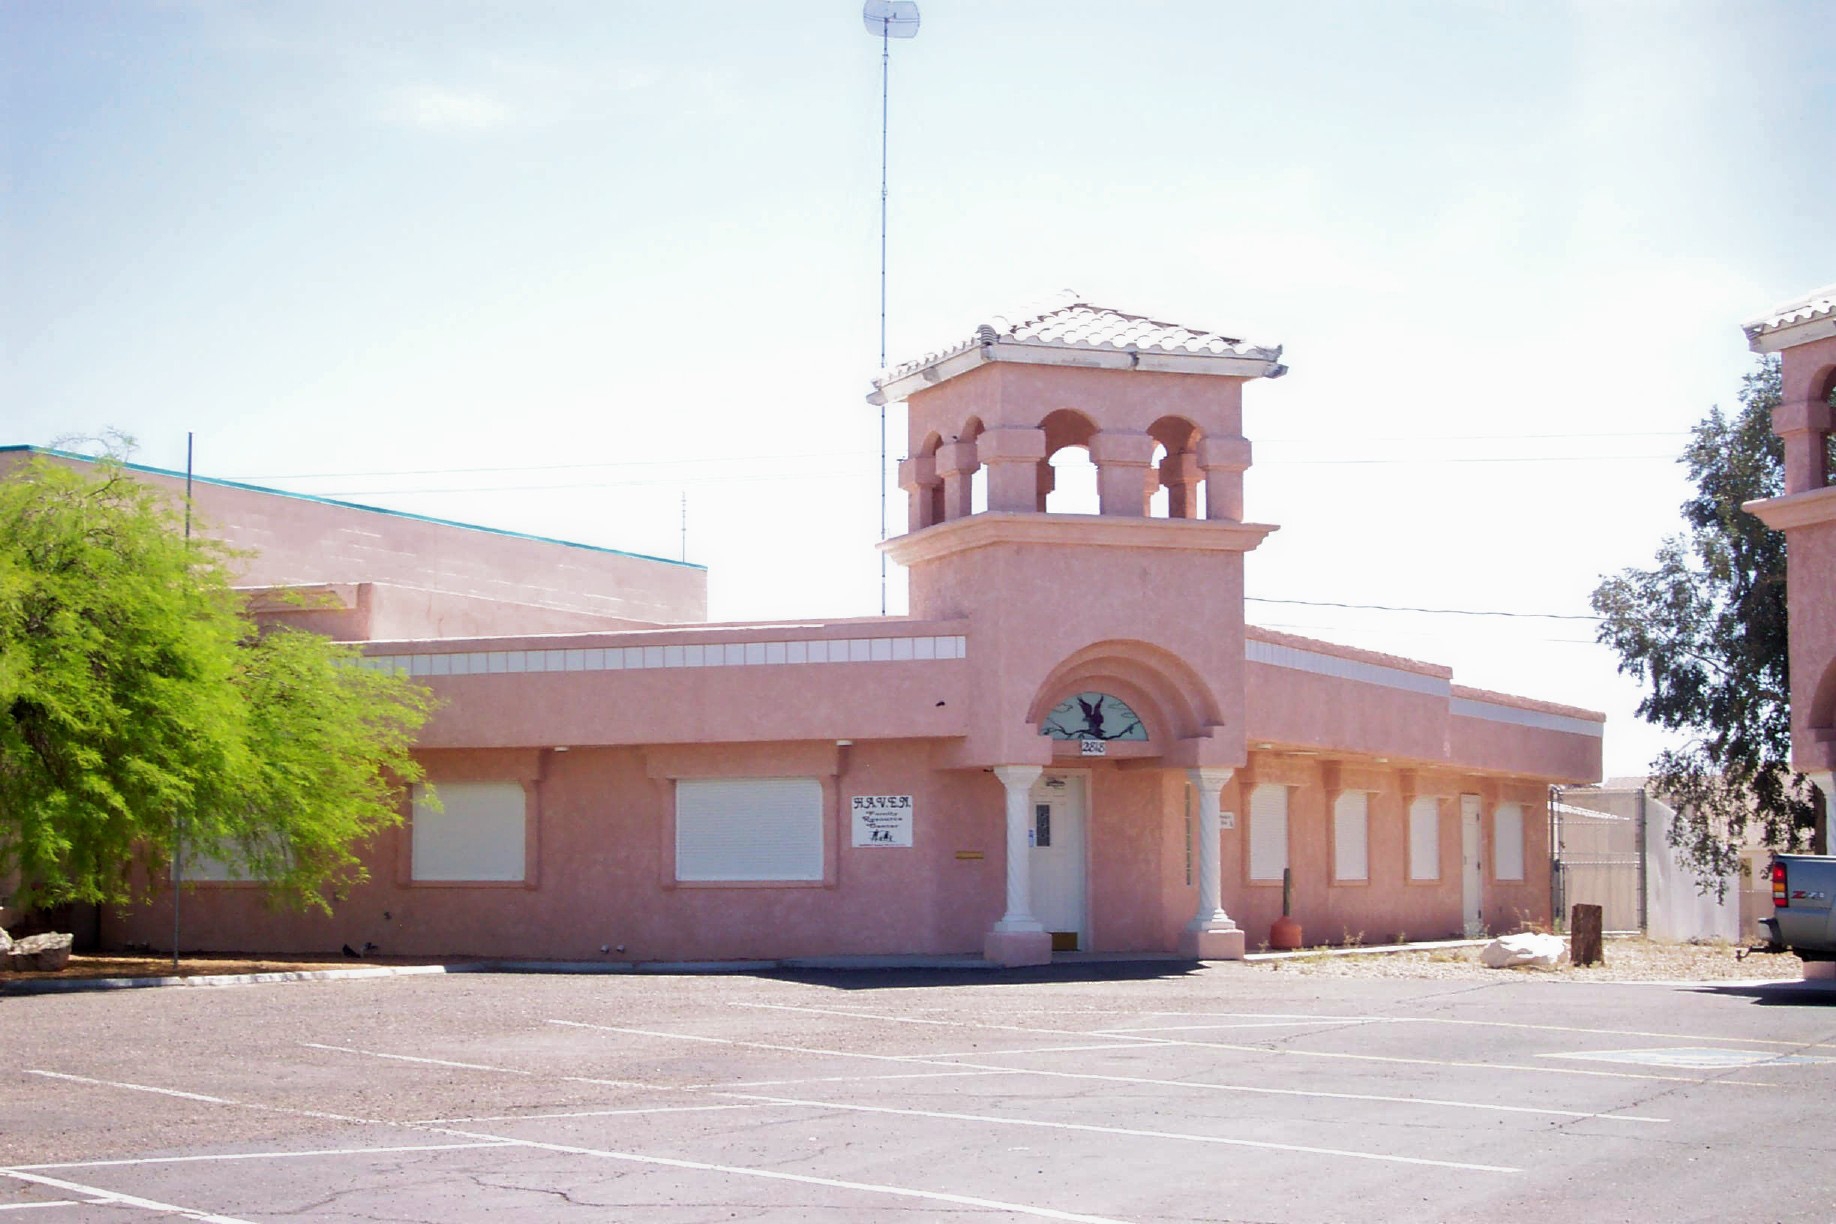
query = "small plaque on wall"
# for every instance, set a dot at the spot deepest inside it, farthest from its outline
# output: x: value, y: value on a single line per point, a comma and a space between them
x: 1092, y: 747
x: 882, y: 820
x: 1227, y: 820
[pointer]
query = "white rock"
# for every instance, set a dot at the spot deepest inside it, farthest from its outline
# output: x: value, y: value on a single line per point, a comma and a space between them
x: 44, y: 953
x: 1535, y: 951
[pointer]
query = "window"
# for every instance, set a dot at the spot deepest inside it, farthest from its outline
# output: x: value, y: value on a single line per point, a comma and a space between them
x: 1351, y: 836
x: 230, y: 864
x: 477, y: 835
x: 749, y: 829
x: 1425, y: 838
x: 1268, y: 832
x: 1508, y: 842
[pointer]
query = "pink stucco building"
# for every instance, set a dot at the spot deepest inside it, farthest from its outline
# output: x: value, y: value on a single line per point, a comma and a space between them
x: 1803, y: 334
x: 1073, y: 741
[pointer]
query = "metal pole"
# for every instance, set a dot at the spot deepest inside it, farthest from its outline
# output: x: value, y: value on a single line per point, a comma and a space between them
x: 178, y: 835
x: 885, y: 71
x: 1644, y: 866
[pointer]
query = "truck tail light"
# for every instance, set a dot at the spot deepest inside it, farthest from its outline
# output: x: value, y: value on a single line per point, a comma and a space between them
x: 1778, y: 886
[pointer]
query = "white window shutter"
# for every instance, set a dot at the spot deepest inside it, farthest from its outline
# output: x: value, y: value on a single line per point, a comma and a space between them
x: 1508, y: 842
x: 477, y: 835
x: 1268, y: 832
x: 1425, y: 838
x: 1351, y: 836
x: 749, y: 829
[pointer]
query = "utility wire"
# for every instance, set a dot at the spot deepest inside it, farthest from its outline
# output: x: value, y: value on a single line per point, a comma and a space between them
x: 703, y: 459
x: 717, y: 478
x: 1327, y: 603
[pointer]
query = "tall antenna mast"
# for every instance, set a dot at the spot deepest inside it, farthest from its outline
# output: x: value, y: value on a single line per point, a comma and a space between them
x: 889, y: 19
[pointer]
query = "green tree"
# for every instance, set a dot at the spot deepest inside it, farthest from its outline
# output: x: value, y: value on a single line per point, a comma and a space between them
x: 1705, y: 631
x: 141, y: 706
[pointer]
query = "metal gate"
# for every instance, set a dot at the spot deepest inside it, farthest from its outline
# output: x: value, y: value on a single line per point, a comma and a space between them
x: 1599, y: 855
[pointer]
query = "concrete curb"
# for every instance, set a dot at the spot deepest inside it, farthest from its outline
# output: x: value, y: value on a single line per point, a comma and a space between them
x: 40, y: 986
x: 43, y: 986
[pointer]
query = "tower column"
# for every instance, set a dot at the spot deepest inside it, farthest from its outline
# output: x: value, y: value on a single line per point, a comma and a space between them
x: 1224, y: 461
x: 1211, y: 935
x: 1018, y: 938
x: 1180, y: 476
x: 1803, y: 426
x: 1012, y: 456
x: 1123, y: 459
x: 918, y: 477
x: 956, y: 465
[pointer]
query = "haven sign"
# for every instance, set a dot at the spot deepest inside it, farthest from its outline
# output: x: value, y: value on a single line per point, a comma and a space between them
x: 882, y: 820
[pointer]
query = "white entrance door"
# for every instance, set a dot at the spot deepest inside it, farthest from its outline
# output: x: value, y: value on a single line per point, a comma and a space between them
x: 1057, y: 858
x: 1472, y: 879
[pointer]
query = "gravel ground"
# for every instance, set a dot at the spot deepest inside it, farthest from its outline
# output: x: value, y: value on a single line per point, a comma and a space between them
x: 1627, y: 960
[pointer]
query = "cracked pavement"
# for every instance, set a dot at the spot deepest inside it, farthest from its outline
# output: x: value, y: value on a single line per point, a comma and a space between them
x: 1106, y: 1092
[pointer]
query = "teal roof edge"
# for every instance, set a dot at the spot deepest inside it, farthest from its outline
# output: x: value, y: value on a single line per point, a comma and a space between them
x: 332, y: 501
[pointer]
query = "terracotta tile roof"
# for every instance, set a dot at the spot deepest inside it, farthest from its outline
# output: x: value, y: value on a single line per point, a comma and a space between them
x: 1819, y: 304
x: 1070, y: 323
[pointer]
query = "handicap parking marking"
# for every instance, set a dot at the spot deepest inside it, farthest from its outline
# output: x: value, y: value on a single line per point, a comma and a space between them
x: 1696, y: 1058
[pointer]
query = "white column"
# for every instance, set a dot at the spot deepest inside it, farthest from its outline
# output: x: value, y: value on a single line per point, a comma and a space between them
x: 1019, y: 779
x: 1210, y: 915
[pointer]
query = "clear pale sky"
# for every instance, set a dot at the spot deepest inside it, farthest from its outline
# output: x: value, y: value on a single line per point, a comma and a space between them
x: 553, y: 266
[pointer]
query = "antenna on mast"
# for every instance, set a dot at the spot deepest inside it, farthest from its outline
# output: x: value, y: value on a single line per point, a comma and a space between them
x: 888, y: 19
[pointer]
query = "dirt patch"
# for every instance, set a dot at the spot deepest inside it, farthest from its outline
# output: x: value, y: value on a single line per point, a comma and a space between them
x: 129, y: 965
x: 1627, y: 960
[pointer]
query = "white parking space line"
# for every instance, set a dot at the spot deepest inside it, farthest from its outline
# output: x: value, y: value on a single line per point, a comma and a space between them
x: 1296, y: 1053
x: 280, y: 1155
x: 171, y: 1092
x: 487, y: 1140
x: 1241, y: 1024
x: 857, y: 1015
x: 966, y: 1073
x: 1131, y: 1132
x: 409, y: 1058
x: 1503, y: 1024
x: 1054, y: 1049
x: 209, y: 1100
x: 122, y: 1200
x: 574, y: 1113
x: 935, y: 1196
x: 1206, y: 1085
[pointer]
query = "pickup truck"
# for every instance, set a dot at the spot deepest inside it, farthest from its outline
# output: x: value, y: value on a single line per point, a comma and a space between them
x: 1803, y: 920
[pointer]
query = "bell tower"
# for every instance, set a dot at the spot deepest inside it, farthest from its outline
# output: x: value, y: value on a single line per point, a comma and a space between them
x: 1145, y: 610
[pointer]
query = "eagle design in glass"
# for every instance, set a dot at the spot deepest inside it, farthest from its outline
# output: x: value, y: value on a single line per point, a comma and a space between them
x: 1093, y: 716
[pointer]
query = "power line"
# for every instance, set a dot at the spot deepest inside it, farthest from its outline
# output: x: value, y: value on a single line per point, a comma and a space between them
x: 1421, y: 459
x: 1327, y: 603
x: 702, y: 460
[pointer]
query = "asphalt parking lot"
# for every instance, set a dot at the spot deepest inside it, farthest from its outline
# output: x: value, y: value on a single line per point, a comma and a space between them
x: 1140, y: 1093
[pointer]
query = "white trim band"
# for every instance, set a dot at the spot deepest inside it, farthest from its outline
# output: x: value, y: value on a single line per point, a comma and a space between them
x: 1541, y: 720
x: 1295, y: 659
x: 650, y: 658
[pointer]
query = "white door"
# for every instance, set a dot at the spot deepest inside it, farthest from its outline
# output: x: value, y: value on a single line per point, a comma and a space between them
x: 1057, y: 858
x: 1472, y: 879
